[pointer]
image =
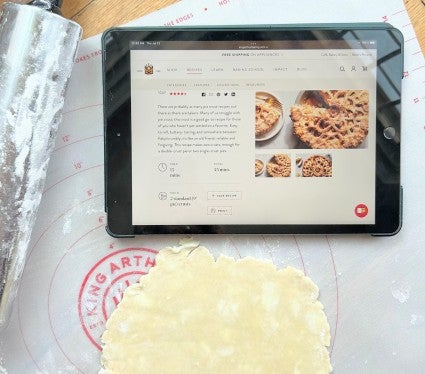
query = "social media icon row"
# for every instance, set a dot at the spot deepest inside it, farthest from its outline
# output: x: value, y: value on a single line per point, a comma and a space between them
x: 218, y: 94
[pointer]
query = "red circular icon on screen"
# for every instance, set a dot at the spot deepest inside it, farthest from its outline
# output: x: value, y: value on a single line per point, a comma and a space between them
x: 361, y: 210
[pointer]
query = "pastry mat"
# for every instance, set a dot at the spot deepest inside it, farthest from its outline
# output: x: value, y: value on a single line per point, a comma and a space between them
x: 372, y: 288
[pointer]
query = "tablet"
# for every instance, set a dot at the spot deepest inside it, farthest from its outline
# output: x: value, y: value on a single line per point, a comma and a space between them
x: 253, y: 129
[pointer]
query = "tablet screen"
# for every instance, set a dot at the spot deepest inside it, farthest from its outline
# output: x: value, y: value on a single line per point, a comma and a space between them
x: 253, y: 132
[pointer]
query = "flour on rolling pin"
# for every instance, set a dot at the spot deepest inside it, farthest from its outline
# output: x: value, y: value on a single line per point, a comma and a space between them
x: 37, y: 50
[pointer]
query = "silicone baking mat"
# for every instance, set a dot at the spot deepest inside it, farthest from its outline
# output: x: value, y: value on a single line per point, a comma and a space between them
x: 372, y: 288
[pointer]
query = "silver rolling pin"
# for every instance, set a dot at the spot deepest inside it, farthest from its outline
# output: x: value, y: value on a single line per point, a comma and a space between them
x: 37, y: 51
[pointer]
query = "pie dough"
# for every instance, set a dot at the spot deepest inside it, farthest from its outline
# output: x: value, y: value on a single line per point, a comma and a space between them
x: 192, y: 314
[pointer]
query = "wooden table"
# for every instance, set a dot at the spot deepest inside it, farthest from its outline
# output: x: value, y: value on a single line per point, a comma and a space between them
x: 97, y: 15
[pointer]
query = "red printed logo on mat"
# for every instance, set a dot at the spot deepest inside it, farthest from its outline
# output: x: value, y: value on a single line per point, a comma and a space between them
x: 103, y: 287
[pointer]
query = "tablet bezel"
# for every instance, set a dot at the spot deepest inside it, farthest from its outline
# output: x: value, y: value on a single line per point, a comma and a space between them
x: 117, y: 127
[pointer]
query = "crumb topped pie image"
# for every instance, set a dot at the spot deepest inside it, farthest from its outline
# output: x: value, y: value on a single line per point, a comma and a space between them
x: 331, y: 119
x: 279, y: 166
x: 268, y: 115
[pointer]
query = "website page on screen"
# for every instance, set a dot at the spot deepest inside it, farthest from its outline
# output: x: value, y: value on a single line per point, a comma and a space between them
x: 253, y: 132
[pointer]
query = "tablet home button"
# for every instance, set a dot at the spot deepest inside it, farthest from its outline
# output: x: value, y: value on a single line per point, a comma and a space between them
x: 389, y: 132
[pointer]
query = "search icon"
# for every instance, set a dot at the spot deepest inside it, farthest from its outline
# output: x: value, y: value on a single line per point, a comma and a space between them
x: 341, y: 68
